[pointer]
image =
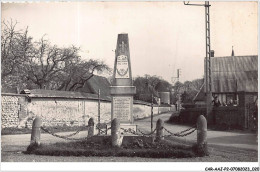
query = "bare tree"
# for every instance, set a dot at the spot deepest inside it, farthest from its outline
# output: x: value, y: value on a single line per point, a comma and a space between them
x: 79, y: 73
x: 47, y: 62
x: 15, y: 47
x: 40, y: 64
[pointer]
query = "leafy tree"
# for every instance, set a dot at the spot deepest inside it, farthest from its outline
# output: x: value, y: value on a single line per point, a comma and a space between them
x: 148, y: 85
x: 187, y: 90
x: 197, y: 84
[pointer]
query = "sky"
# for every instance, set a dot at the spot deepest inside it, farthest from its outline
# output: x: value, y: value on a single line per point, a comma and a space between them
x: 163, y: 36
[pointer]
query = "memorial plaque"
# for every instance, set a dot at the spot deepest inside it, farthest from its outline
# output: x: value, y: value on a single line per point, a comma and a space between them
x: 122, y: 108
x: 122, y: 70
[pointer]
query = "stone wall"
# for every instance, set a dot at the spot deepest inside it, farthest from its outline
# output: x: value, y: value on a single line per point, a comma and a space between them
x: 70, y: 112
x: 14, y: 110
x: 17, y: 111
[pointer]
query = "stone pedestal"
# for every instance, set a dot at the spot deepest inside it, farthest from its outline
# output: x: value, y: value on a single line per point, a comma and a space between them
x: 122, y: 89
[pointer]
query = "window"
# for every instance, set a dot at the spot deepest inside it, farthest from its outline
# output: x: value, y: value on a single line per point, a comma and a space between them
x: 231, y: 99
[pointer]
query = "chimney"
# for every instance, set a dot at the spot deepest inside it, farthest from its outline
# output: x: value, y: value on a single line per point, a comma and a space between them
x: 232, y: 54
x: 212, y: 52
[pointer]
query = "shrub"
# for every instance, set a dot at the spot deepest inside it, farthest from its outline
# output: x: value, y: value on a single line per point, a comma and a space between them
x: 174, y: 119
x: 15, y: 130
x: 135, y: 149
x: 32, y: 148
x: 200, y: 150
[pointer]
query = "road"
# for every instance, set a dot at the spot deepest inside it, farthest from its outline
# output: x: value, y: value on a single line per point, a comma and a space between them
x: 223, y: 146
x: 219, y: 138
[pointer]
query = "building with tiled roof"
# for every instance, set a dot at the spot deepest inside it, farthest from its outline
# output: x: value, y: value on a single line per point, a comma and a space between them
x: 230, y: 76
x: 96, y: 83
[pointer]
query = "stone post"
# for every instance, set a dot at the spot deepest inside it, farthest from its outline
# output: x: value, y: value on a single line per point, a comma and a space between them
x: 36, y: 131
x: 159, y: 130
x: 115, y: 133
x: 201, y: 130
x: 90, y: 127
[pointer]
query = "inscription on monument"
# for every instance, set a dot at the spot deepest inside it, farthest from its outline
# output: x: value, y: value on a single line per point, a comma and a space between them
x: 122, y: 70
x: 121, y: 108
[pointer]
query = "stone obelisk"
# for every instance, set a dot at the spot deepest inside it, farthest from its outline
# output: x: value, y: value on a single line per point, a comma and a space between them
x: 122, y: 89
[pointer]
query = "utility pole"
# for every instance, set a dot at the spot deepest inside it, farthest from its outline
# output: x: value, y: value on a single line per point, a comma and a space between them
x: 207, y: 79
x: 178, y: 103
x: 152, y: 113
x: 151, y: 89
x: 178, y: 94
x: 99, y: 110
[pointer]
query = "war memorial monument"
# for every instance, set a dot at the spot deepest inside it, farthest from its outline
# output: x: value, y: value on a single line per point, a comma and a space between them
x: 122, y: 89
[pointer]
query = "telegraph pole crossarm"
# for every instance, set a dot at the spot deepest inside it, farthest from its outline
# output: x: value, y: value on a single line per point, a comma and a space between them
x: 188, y: 3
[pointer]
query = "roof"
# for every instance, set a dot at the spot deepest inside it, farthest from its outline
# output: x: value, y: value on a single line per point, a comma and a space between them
x: 37, y: 93
x: 200, y: 96
x: 95, y: 83
x: 232, y: 74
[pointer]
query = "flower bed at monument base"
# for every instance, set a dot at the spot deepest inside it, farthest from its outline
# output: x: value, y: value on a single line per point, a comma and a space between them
x: 137, y: 148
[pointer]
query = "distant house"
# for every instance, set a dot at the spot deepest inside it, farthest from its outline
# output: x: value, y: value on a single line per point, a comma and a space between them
x: 163, y: 93
x: 234, y: 80
x: 94, y: 84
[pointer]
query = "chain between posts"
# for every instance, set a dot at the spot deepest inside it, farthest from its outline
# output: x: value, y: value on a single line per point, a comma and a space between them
x: 182, y: 133
x: 149, y: 134
x: 66, y: 137
x: 179, y: 134
x: 101, y: 130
